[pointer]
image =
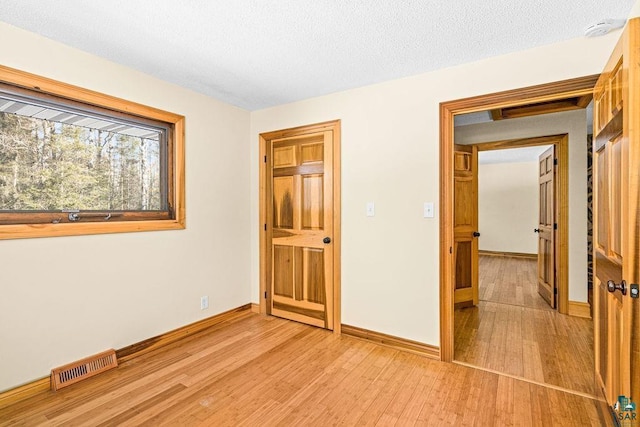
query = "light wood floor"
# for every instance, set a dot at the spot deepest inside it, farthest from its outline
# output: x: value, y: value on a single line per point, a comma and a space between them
x: 261, y: 371
x: 508, y: 280
x: 512, y: 332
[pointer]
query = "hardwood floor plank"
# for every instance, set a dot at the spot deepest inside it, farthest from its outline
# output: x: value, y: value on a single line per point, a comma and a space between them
x: 266, y: 371
x: 521, y: 405
x: 383, y: 408
x: 415, y: 404
x: 366, y: 391
x: 505, y: 405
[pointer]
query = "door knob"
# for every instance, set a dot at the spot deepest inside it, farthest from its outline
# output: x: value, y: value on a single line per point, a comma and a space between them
x: 612, y: 287
x: 326, y: 240
x: 536, y: 230
x: 476, y: 234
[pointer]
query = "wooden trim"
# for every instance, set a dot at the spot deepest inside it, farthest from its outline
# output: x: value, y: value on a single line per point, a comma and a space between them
x: 179, y: 191
x: 75, y: 93
x: 579, y: 86
x: 541, y: 108
x: 580, y: 309
x: 337, y: 229
x: 561, y: 211
x: 266, y: 234
x: 475, y: 243
x: 403, y: 344
x: 540, y: 93
x: 263, y: 231
x: 508, y: 254
x: 255, y: 308
x: 446, y: 234
x: 138, y: 349
x: 25, y: 391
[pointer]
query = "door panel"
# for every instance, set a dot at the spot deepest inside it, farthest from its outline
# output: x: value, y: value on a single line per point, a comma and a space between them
x: 616, y: 148
x: 601, y: 191
x: 465, y: 249
x: 312, y: 202
x: 546, y: 228
x: 615, y: 199
x: 283, y: 271
x: 283, y: 192
x: 301, y: 262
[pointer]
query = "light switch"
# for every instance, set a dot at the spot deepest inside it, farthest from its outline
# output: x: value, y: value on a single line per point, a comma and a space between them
x: 371, y: 209
x: 428, y: 209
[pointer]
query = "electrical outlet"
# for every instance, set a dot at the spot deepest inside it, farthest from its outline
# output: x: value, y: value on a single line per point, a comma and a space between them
x: 204, y: 302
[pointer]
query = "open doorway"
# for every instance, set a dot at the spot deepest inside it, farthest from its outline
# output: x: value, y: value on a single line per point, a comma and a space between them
x: 515, y: 260
x: 551, y: 94
x: 513, y: 329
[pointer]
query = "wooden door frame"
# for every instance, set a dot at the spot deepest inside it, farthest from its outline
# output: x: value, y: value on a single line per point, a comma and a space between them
x: 529, y: 95
x: 266, y: 232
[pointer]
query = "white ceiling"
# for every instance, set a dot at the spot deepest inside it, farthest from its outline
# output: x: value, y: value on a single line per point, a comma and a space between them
x: 260, y: 53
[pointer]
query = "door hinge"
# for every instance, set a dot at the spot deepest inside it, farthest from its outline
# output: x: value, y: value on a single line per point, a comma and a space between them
x: 265, y: 294
x: 555, y: 226
x: 450, y: 250
x: 265, y: 159
x: 555, y: 291
x: 265, y: 227
x: 555, y: 162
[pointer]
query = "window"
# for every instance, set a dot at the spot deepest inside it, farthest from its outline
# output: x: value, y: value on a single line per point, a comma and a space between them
x: 74, y: 161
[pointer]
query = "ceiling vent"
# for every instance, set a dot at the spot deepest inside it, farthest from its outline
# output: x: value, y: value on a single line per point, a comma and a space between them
x: 603, y: 27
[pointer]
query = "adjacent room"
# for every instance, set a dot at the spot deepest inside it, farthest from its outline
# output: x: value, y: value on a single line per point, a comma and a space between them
x: 515, y: 327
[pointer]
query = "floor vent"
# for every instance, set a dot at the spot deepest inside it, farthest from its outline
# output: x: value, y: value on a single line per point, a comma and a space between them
x: 83, y: 369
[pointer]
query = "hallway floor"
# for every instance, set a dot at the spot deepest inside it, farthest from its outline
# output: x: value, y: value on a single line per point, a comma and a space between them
x: 514, y: 331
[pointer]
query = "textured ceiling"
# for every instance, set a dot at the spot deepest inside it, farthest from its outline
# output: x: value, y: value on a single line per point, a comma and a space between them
x: 260, y: 53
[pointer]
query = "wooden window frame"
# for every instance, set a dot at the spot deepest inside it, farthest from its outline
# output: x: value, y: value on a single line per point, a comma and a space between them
x: 47, y: 224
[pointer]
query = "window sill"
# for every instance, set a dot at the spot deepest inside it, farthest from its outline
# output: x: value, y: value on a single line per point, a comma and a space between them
x: 27, y: 231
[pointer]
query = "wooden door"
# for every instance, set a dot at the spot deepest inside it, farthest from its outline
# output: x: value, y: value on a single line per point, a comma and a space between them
x: 546, y: 228
x: 300, y: 169
x: 465, y: 250
x: 616, y: 150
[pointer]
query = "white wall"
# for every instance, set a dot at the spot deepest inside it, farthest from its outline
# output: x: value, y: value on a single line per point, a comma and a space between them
x: 508, y: 207
x: 635, y: 10
x: 390, y: 134
x: 65, y: 298
x: 575, y: 124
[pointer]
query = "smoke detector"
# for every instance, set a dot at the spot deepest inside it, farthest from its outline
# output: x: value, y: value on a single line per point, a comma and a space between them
x: 603, y: 27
